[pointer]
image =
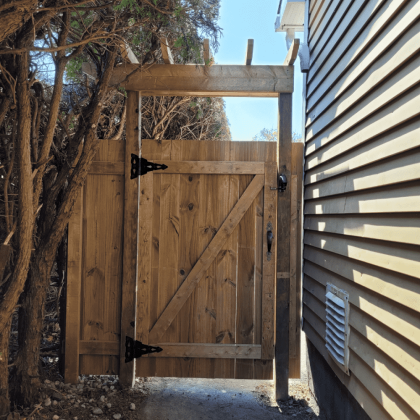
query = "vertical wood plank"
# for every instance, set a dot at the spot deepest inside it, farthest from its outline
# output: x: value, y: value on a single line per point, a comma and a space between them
x: 245, y: 316
x: 146, y: 366
x: 283, y: 248
x: 74, y: 282
x: 145, y: 258
x: 168, y: 259
x: 269, y: 266
x: 296, y: 264
x: 226, y: 280
x: 263, y: 369
x: 130, y: 260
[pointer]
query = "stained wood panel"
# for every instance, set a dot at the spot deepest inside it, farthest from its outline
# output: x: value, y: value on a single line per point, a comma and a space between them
x: 201, y: 217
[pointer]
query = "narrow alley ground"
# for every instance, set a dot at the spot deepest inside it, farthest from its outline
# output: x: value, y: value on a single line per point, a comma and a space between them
x: 101, y: 397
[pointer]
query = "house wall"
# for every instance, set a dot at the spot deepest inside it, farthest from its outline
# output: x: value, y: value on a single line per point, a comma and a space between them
x: 362, y: 194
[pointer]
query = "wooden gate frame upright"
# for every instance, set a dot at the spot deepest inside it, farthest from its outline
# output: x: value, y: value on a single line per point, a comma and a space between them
x: 207, y: 81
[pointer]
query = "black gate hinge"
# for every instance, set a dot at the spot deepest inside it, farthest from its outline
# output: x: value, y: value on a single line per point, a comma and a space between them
x: 135, y: 349
x: 141, y: 166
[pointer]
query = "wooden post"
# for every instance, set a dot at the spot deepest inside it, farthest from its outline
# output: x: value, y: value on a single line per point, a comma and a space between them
x: 130, y: 262
x: 284, y: 157
x: 73, y: 298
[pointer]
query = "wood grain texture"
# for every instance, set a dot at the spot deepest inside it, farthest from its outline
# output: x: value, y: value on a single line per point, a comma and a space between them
x: 185, y: 80
x: 5, y: 251
x: 246, y: 282
x: 295, y: 260
x: 212, y: 167
x: 107, y: 168
x: 205, y: 260
x: 166, y: 51
x: 211, y: 351
x: 73, y: 296
x: 269, y: 266
x: 145, y: 258
x: 209, y: 314
x: 99, y: 348
x: 283, y: 248
x: 292, y: 53
x: 130, y: 253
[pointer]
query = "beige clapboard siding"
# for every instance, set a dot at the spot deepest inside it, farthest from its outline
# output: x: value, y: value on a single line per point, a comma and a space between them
x: 375, y: 331
x: 400, y: 198
x: 400, y: 140
x: 316, y: 15
x: 328, y: 108
x: 401, y: 169
x: 403, y: 109
x: 314, y: 36
x: 401, y: 81
x: 404, y: 259
x: 386, y: 372
x: 400, y: 320
x: 371, y: 43
x: 402, y: 289
x: 373, y: 406
x: 333, y: 38
x: 395, y: 229
x: 362, y: 196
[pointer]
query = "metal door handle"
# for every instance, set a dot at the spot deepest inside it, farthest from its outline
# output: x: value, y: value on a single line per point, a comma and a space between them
x: 269, y: 242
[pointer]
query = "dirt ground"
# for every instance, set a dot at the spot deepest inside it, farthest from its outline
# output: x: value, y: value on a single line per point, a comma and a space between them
x: 101, y: 397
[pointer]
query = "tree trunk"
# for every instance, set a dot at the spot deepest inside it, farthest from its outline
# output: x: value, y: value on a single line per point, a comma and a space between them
x: 25, y: 219
x: 4, y: 371
x: 26, y: 382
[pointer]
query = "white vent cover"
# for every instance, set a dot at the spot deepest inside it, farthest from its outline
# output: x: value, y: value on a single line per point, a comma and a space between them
x: 337, y: 332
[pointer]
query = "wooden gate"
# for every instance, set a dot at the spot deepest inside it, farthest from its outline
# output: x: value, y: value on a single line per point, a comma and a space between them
x: 205, y: 279
x: 187, y: 269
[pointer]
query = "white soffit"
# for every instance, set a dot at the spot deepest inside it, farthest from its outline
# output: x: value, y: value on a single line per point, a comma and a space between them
x: 293, y: 16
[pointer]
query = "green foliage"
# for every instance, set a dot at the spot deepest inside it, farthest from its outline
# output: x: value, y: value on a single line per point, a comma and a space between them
x: 74, y: 68
x: 127, y: 4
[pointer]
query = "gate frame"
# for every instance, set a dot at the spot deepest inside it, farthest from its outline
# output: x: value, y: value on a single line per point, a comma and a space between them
x: 207, y: 81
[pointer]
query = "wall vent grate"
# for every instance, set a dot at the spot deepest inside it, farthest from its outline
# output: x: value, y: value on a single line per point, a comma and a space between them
x: 337, y: 328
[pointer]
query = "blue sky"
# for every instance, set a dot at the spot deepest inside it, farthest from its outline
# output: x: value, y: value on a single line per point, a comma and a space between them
x: 241, y: 20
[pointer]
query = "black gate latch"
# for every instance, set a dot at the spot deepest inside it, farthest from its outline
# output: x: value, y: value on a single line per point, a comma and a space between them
x: 141, y: 166
x: 282, y: 183
x: 135, y: 349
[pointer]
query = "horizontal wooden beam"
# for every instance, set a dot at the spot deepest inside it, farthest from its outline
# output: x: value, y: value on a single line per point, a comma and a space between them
x: 192, y: 167
x: 197, y: 80
x: 221, y: 168
x: 212, y: 351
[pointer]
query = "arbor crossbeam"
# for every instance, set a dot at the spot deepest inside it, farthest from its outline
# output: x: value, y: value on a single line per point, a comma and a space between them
x: 199, y: 80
